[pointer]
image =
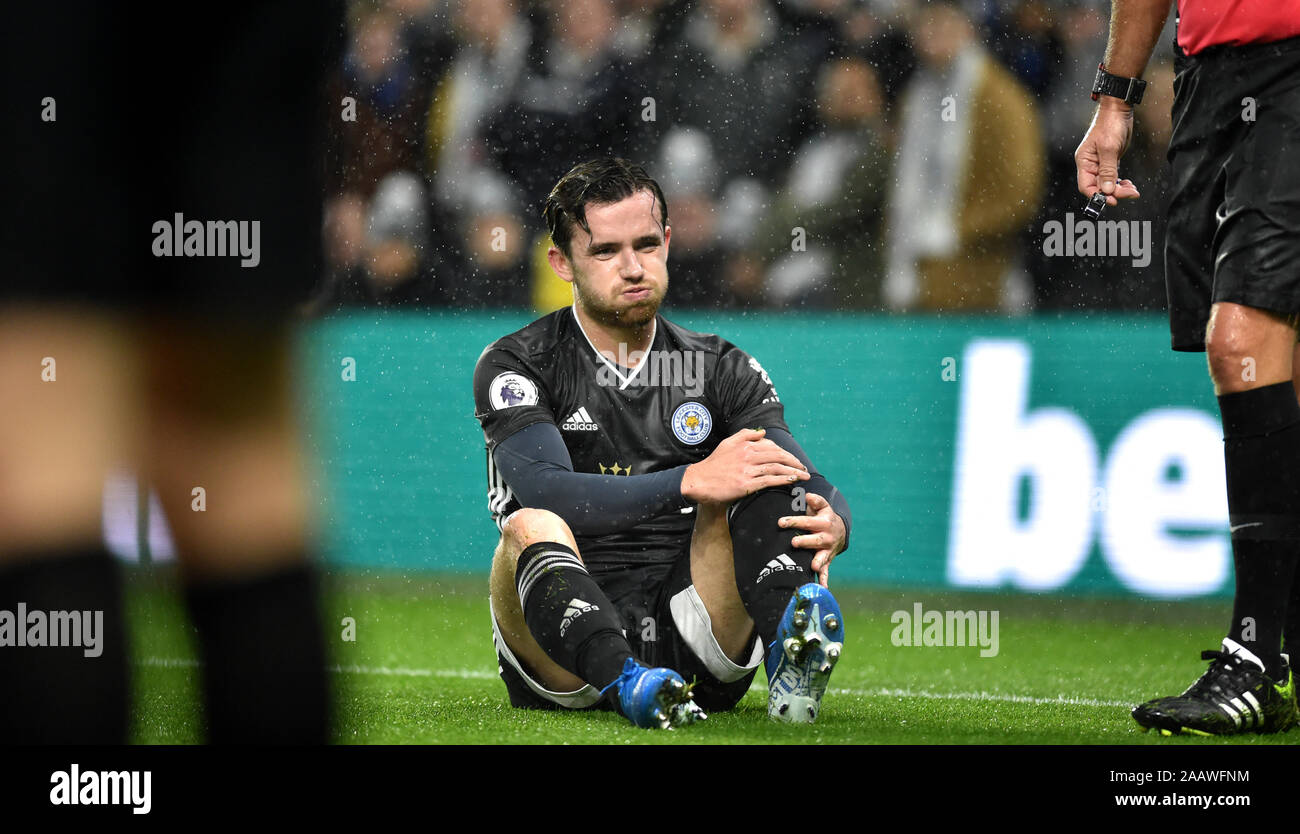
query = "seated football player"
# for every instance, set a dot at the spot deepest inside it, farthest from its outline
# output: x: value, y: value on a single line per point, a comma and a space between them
x: 659, y: 523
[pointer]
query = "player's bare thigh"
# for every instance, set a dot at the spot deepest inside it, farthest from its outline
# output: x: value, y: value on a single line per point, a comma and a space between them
x: 1248, y: 348
x: 713, y: 572
x: 522, y: 528
x: 220, y: 418
x: 188, y: 403
x: 65, y: 386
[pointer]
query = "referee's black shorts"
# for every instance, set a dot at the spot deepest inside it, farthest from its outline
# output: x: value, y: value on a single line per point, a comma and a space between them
x: 1234, y: 215
x: 121, y: 115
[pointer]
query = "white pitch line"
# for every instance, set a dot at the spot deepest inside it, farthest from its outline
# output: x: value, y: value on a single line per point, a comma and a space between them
x: 403, y: 672
x: 480, y: 674
x: 388, y: 671
x: 1063, y: 700
x: 169, y: 662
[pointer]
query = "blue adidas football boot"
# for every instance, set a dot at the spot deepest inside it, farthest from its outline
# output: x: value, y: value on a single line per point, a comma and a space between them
x: 800, y: 660
x: 655, y: 698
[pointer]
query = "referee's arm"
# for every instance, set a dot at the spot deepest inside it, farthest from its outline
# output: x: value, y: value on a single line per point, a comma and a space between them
x: 1134, y: 28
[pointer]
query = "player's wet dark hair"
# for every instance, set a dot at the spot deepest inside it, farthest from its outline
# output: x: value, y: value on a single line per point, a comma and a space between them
x: 595, y: 182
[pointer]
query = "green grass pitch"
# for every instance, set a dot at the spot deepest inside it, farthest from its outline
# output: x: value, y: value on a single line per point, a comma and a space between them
x: 422, y: 670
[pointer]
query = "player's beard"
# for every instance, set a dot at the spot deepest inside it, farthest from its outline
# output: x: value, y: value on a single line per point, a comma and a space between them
x: 619, y: 315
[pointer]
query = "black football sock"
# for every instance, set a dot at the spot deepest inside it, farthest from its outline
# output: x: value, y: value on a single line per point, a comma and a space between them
x: 264, y: 679
x: 1261, y: 429
x: 59, y: 695
x: 1291, y: 631
x: 569, y: 615
x: 768, y: 568
x: 1259, y: 610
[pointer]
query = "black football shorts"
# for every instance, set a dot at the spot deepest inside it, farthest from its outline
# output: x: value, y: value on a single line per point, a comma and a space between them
x: 129, y: 123
x: 667, y: 625
x: 1234, y: 215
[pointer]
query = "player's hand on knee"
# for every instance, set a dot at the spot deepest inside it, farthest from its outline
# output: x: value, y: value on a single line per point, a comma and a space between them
x: 823, y: 532
x: 741, y: 465
x: 1096, y: 159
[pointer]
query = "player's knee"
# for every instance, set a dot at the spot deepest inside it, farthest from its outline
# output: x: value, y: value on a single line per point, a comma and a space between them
x: 772, y: 498
x: 1247, y: 347
x: 1219, y: 353
x: 1232, y: 353
x: 531, y: 525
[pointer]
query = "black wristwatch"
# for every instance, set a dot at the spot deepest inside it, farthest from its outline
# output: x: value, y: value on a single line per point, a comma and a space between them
x: 1128, y: 89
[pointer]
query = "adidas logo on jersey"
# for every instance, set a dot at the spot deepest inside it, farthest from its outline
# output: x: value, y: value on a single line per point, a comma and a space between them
x: 780, y: 563
x: 575, y: 610
x: 580, y: 420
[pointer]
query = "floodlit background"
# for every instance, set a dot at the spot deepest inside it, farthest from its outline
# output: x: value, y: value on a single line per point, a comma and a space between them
x: 920, y: 148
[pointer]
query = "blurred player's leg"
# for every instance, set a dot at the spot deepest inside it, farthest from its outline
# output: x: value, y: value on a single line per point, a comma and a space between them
x: 63, y: 426
x: 239, y: 141
x: 227, y: 132
x: 559, y: 623
x: 223, y: 454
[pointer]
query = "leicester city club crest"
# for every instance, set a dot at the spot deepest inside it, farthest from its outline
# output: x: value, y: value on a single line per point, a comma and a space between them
x: 692, y: 423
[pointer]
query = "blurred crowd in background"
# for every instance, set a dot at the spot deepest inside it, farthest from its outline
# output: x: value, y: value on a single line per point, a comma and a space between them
x: 815, y: 154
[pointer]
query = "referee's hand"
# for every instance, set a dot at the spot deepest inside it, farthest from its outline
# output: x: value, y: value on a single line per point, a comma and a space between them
x: 1096, y: 159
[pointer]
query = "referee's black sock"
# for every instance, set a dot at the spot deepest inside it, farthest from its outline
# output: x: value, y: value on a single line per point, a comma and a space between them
x: 768, y: 568
x: 1261, y: 438
x: 264, y: 678
x: 57, y: 694
x: 569, y: 615
x: 1291, y: 630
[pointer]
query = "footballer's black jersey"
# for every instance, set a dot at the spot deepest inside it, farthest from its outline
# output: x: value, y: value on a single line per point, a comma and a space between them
x: 690, y: 392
